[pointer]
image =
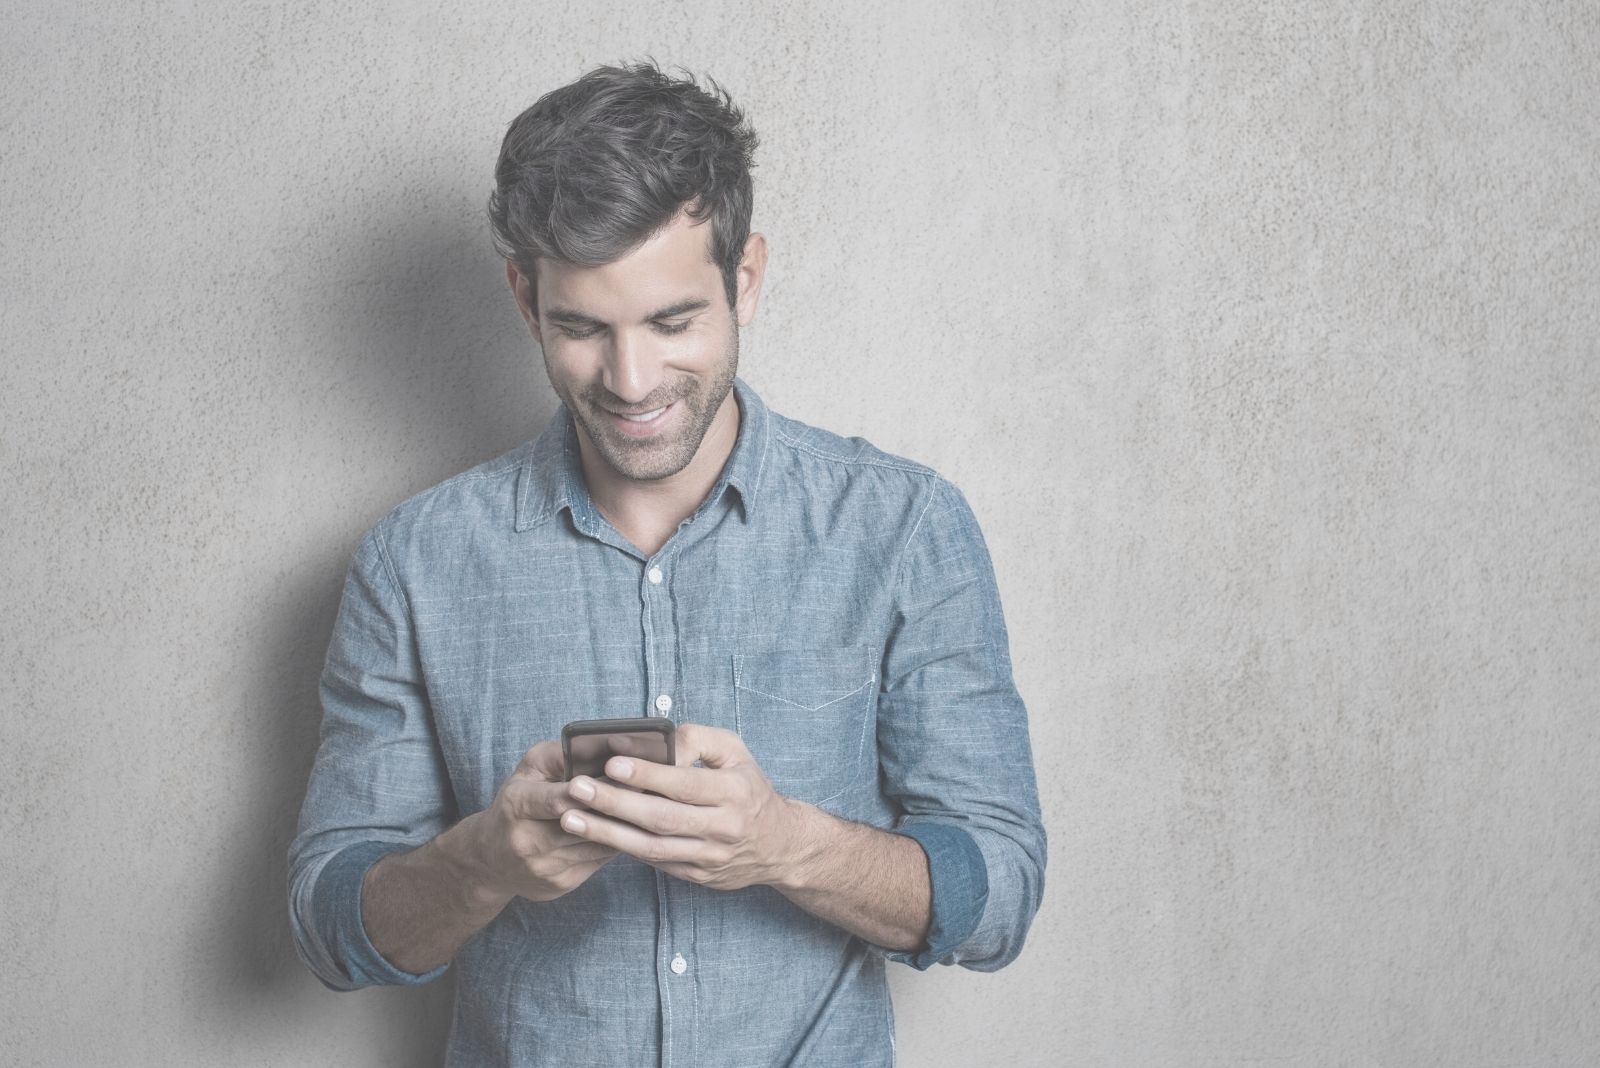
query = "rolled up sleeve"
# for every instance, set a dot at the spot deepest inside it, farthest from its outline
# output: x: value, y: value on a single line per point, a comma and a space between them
x: 378, y: 783
x: 953, y: 744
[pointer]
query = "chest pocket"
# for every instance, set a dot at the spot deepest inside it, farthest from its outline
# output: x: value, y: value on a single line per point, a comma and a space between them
x: 804, y: 714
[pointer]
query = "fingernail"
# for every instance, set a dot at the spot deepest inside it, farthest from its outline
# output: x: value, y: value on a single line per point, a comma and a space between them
x: 573, y: 822
x: 620, y: 768
x: 582, y: 789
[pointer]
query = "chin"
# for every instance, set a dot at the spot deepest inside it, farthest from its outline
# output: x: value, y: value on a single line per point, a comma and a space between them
x: 661, y: 460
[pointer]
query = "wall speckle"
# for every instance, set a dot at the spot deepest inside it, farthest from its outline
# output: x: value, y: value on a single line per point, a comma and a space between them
x: 1262, y: 338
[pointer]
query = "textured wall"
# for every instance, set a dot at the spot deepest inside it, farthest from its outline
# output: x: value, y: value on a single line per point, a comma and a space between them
x: 1262, y: 337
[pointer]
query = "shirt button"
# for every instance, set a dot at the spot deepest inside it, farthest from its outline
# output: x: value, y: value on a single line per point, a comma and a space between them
x: 663, y: 703
x: 655, y: 576
x: 679, y: 965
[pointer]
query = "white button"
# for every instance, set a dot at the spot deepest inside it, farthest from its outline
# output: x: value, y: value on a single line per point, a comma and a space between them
x: 679, y: 965
x: 655, y: 576
x: 663, y: 703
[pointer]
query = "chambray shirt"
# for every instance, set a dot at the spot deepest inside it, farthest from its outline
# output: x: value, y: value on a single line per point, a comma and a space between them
x: 833, y: 604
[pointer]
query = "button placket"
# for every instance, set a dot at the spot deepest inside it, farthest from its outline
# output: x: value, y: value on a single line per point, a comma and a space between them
x: 661, y: 654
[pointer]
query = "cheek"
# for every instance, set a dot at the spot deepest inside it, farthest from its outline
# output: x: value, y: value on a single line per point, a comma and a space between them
x: 569, y: 362
x: 565, y: 378
x: 708, y: 347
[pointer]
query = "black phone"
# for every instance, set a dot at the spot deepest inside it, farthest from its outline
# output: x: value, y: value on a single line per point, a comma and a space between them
x: 587, y: 744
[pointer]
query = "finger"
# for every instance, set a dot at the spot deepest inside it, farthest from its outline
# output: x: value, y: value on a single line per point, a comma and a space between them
x: 658, y: 815
x: 691, y: 786
x: 544, y: 761
x: 712, y: 746
x: 589, y: 867
x: 689, y: 873
x: 530, y: 799
x: 645, y: 747
x: 626, y: 838
x: 582, y: 851
x: 537, y: 838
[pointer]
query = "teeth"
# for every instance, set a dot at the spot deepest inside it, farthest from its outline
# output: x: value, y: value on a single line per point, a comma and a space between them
x: 645, y: 418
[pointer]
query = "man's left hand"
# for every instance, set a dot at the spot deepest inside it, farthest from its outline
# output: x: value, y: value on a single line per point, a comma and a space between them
x: 721, y: 825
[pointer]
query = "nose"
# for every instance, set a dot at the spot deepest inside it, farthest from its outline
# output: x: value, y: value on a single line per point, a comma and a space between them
x: 632, y: 367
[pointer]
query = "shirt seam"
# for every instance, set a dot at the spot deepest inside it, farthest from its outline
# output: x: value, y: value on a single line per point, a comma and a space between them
x: 767, y: 430
x: 906, y: 466
x: 396, y: 590
x: 916, y: 528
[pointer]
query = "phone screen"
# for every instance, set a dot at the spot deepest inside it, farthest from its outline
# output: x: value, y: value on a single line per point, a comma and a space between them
x: 589, y: 744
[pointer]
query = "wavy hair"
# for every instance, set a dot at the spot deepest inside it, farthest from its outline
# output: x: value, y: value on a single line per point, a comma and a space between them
x: 595, y: 168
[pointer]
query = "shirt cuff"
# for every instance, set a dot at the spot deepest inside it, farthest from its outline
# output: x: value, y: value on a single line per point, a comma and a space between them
x: 960, y: 881
x: 338, y: 910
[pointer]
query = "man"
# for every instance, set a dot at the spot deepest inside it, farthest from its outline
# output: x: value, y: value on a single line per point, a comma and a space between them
x: 820, y: 619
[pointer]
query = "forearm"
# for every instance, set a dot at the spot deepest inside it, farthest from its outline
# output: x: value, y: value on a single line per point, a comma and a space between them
x: 872, y: 883
x: 419, y: 907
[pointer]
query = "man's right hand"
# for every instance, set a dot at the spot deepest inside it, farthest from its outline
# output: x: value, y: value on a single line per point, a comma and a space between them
x: 418, y: 907
x: 516, y: 847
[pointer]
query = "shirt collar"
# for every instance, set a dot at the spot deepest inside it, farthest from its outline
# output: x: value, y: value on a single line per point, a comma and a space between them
x: 552, y: 475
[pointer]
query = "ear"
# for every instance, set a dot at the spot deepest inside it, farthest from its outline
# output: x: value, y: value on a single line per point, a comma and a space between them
x: 522, y: 291
x: 751, y: 271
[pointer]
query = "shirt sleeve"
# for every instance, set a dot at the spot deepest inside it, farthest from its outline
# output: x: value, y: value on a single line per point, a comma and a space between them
x: 953, y: 744
x: 960, y: 884
x: 378, y: 784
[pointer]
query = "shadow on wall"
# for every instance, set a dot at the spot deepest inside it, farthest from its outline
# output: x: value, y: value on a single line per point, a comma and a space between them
x: 441, y: 375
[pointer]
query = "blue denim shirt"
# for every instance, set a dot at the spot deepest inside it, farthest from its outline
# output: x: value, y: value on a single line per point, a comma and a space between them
x: 831, y: 603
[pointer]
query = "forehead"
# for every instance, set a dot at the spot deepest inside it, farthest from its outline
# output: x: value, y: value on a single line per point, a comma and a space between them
x: 672, y: 265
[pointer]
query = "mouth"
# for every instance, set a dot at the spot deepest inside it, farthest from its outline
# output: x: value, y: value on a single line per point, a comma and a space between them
x: 642, y: 424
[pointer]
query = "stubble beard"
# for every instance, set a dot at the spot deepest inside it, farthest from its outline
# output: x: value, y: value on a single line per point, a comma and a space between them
x: 649, y: 459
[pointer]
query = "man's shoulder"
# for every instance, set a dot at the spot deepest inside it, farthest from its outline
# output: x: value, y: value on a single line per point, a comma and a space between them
x: 482, y: 497
x: 804, y: 445
x: 853, y: 474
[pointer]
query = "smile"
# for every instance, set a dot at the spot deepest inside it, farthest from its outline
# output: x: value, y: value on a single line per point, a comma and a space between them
x: 644, y: 418
x: 645, y: 423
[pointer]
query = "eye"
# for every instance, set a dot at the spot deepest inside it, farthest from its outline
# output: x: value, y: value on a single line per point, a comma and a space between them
x: 579, y: 334
x: 672, y: 328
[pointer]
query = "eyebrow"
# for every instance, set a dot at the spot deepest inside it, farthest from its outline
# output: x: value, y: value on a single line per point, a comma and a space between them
x: 577, y: 318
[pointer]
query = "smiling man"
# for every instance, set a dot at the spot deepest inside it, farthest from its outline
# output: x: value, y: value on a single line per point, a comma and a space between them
x: 643, y: 352
x: 853, y: 782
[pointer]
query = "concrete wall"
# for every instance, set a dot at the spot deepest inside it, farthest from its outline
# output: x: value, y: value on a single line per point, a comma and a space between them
x: 1262, y: 337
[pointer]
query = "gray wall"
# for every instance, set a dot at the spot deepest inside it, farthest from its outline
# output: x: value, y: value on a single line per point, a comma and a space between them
x: 1261, y: 336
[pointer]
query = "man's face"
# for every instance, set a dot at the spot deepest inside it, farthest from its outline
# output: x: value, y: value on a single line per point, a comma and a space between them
x: 643, y: 350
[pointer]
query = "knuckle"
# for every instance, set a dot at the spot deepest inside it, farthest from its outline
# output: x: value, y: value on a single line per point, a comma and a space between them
x: 544, y: 801
x: 506, y: 800
x: 523, y: 840
x: 536, y: 756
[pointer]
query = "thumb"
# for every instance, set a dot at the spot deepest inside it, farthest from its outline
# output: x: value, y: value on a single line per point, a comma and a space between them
x: 711, y: 746
x: 544, y: 761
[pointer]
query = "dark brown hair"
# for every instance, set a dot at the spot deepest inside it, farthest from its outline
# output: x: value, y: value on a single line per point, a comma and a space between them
x: 596, y: 167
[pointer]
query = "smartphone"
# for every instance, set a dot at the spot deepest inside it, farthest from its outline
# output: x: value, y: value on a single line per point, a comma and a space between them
x: 587, y: 744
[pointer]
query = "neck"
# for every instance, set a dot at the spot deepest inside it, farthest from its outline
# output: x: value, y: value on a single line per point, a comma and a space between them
x: 648, y: 512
